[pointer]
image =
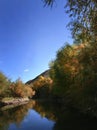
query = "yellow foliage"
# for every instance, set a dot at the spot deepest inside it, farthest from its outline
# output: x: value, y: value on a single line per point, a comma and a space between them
x: 21, y: 90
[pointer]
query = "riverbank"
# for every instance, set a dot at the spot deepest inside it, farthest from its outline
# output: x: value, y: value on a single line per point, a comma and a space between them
x: 11, y: 100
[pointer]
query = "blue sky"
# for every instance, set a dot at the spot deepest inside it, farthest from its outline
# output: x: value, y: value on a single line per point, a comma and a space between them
x: 30, y: 35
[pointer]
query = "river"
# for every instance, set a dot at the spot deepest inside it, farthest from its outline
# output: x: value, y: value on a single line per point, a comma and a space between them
x: 44, y: 115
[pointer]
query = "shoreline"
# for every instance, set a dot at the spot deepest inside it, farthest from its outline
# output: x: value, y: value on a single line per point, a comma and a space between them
x: 13, y: 101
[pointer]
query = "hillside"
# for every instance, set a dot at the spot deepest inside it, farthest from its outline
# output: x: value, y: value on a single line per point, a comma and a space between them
x: 41, y: 85
x: 45, y: 74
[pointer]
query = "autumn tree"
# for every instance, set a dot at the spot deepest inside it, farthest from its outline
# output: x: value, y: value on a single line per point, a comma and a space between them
x: 4, y: 85
x: 19, y: 89
x: 42, y: 86
x: 64, y: 69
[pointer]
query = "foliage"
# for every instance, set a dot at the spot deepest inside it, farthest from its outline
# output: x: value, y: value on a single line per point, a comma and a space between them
x: 83, y: 18
x: 42, y: 86
x: 74, y: 71
x: 74, y: 74
x: 19, y: 89
x: 4, y: 85
x: 64, y: 69
x: 14, y: 89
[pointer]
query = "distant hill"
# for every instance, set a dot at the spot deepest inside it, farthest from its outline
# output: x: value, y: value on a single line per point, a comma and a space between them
x: 44, y: 74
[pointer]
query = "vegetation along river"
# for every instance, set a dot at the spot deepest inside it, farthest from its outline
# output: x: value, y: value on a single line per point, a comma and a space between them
x: 43, y: 115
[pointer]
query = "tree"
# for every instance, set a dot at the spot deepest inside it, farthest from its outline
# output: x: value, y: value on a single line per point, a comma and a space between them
x: 74, y: 70
x: 84, y: 20
x: 19, y: 89
x: 64, y: 69
x: 83, y: 15
x: 4, y: 85
x: 42, y: 86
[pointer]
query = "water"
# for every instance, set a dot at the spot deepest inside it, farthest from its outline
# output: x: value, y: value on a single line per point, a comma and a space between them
x: 43, y: 115
x: 32, y: 121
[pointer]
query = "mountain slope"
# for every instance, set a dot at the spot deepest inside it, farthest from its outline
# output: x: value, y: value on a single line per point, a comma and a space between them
x: 45, y: 74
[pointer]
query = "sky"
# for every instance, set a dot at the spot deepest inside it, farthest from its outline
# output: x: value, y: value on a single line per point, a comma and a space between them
x: 30, y: 36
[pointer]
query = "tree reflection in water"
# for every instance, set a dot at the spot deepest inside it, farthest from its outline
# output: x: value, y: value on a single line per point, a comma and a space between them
x: 24, y: 118
x: 33, y: 121
x: 43, y: 115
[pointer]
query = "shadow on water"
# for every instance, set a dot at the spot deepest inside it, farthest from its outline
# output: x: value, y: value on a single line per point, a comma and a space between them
x: 44, y: 115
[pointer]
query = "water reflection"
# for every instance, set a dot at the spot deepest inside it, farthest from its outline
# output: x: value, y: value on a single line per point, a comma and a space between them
x: 32, y: 121
x: 43, y: 115
x: 24, y: 118
x: 67, y: 118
